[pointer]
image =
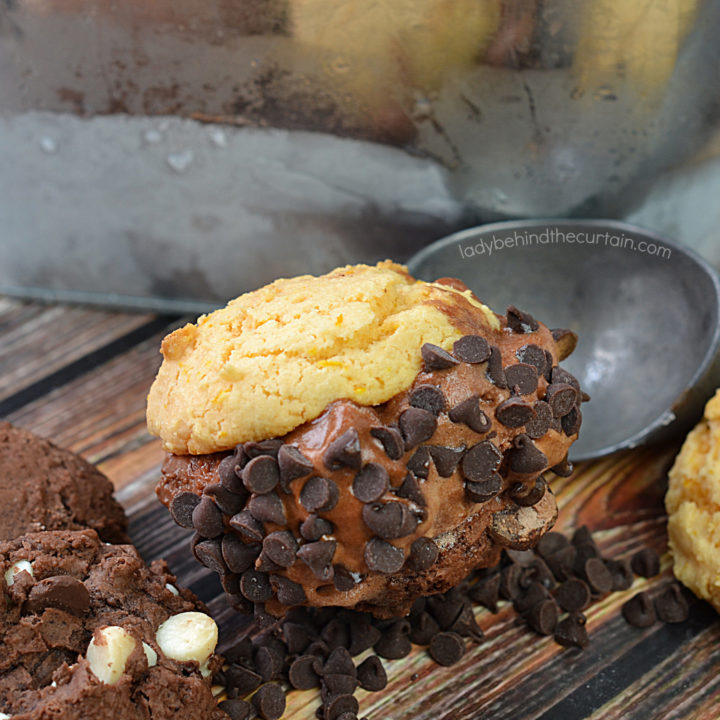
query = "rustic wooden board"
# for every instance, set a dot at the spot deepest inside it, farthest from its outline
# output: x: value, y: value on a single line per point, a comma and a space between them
x: 88, y: 393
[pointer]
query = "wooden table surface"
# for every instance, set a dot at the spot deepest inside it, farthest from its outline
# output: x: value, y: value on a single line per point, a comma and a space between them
x: 80, y: 377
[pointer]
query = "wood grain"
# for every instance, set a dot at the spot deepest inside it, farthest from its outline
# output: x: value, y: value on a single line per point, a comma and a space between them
x: 660, y: 672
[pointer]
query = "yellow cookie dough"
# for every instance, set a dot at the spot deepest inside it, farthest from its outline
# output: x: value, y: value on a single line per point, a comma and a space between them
x: 693, y: 506
x: 274, y: 358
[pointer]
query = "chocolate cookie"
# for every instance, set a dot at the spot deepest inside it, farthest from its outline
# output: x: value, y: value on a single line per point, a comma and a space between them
x: 43, y: 487
x: 89, y: 631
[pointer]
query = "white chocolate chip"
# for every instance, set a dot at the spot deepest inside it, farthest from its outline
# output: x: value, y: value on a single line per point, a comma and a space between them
x: 16, y: 568
x: 108, y: 652
x: 150, y: 654
x: 172, y: 588
x: 188, y: 636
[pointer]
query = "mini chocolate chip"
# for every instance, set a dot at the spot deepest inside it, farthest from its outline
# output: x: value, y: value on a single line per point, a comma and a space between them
x: 267, y: 508
x: 419, y: 462
x: 269, y: 663
x: 522, y: 378
x: 255, y: 586
x: 207, y: 518
x: 446, y: 459
x: 227, y: 502
x: 318, y: 557
x: 261, y: 474
x: 338, y: 684
x: 515, y: 412
x: 417, y: 426
x: 296, y: 634
x: 621, y: 572
x: 428, y: 397
x: 247, y: 525
x: 550, y: 543
x: 391, y: 439
x: 485, y: 490
x: 543, y: 617
x: 235, y: 708
x: 319, y: 494
x: 465, y: 624
x: 288, y: 592
x: 335, y: 632
x: 560, y: 375
x: 573, y: 595
x: 229, y: 475
x: 532, y: 355
x: 394, y: 642
x: 363, y: 635
x: 342, y: 578
x: 371, y: 483
x: 371, y: 674
x: 292, y: 465
x: 423, y: 628
x: 182, y: 507
x: 561, y: 398
x: 383, y: 557
x: 671, y: 605
x: 535, y: 594
x: 435, y: 358
x: 302, y: 673
x: 389, y: 520
x: 584, y: 397
x: 525, y: 458
x: 486, y: 592
x: 646, y: 563
x: 598, y: 576
x: 238, y: 556
x: 410, y: 490
x: 561, y: 562
x: 527, y: 496
x: 341, y: 705
x: 469, y: 413
x: 519, y: 321
x: 571, y: 632
x: 314, y: 527
x: 242, y: 678
x: 209, y: 553
x: 639, y: 611
x: 344, y: 451
x: 471, y: 349
x: 540, y: 424
x: 445, y: 608
x: 339, y: 662
x: 564, y: 468
x: 270, y: 447
x: 269, y: 702
x: 280, y: 547
x: 446, y: 648
x: 266, y: 565
x: 481, y: 461
x: 423, y: 554
x: 60, y: 591
x: 495, y: 372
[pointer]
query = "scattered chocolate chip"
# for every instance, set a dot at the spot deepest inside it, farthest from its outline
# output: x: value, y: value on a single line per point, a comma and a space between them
x: 261, y: 474
x: 288, y: 592
x: 535, y: 593
x: 363, y: 635
x: 302, y: 673
x: 621, y: 572
x: 671, y: 605
x: 423, y: 628
x: 465, y: 624
x: 573, y: 595
x: 561, y: 562
x: 318, y: 557
x: 236, y: 708
x: 371, y: 674
x: 571, y: 422
x: 335, y: 632
x: 292, y: 465
x: 266, y: 565
x: 435, y: 358
x: 537, y: 571
x: 423, y: 554
x: 419, y: 462
x: 339, y: 662
x: 639, y: 611
x: 532, y: 355
x: 486, y: 592
x: 60, y: 591
x: 522, y: 378
x: 344, y: 451
x: 519, y: 321
x: 543, y: 617
x: 269, y: 663
x: 598, y: 576
x: 394, y: 642
x: 269, y: 701
x: 392, y: 441
x: 247, y: 526
x: 583, y: 536
x: 446, y: 648
x: 262, y: 447
x: 209, y: 554
x: 389, y: 520
x: 446, y: 459
x: 584, y: 397
x: 227, y: 502
x: 314, y: 527
x: 527, y: 496
x: 255, y: 586
x: 428, y: 397
x: 371, y: 483
x: 481, y: 461
x: 342, y: 579
x: 550, y: 543
x: 319, y: 494
x: 240, y: 603
x: 182, y: 507
x: 410, y: 490
x: 540, y: 424
x: 207, y: 518
x: 548, y: 366
x: 280, y: 547
x: 561, y: 398
x: 469, y: 413
x: 583, y: 553
x: 338, y: 683
x: 495, y: 372
x: 571, y: 632
x: 383, y: 557
x: 510, y: 588
x: 445, y: 608
x: 417, y: 426
x: 340, y: 705
x: 514, y: 412
x: 267, y: 508
x: 296, y: 636
x: 471, y: 349
x: 229, y: 472
x: 560, y: 375
x: 238, y: 556
x: 485, y: 490
x: 564, y: 468
x: 242, y: 678
x: 646, y: 563
x: 525, y: 458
